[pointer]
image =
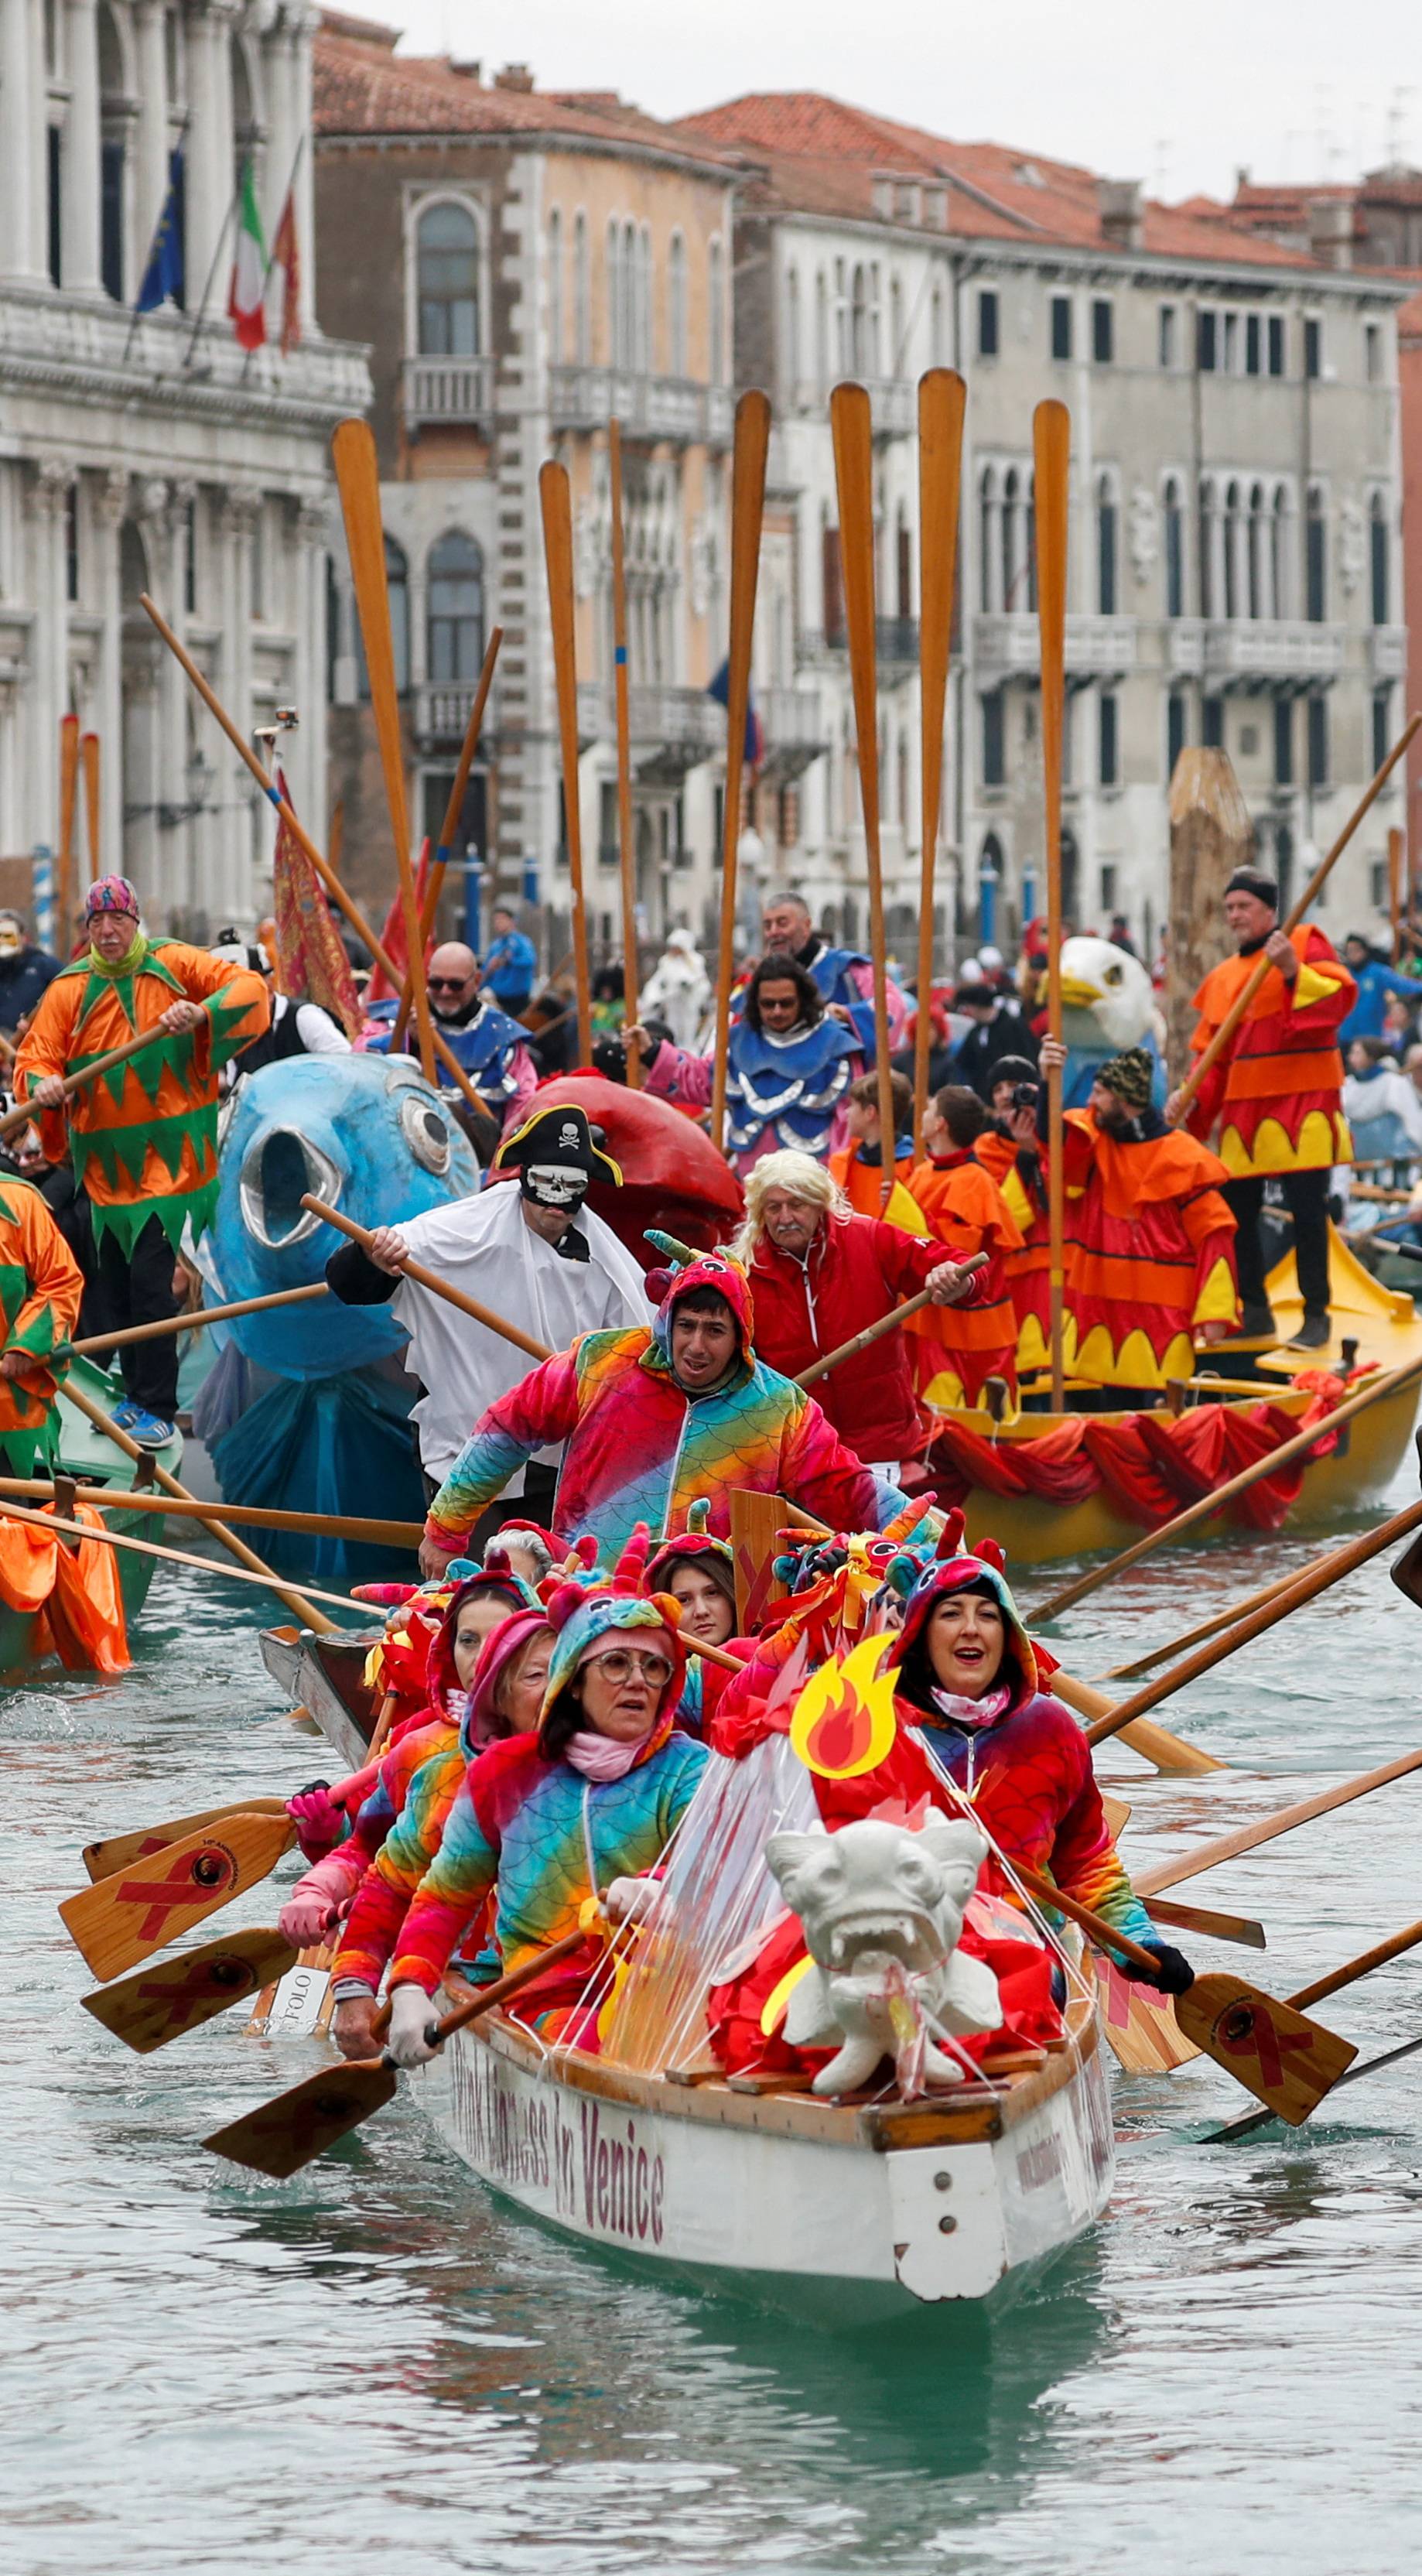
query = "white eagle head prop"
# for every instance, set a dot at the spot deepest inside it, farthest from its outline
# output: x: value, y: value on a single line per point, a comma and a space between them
x: 882, y: 1912
x: 1107, y: 1001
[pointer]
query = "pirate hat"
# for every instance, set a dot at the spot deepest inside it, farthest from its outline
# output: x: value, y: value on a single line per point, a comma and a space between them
x: 559, y: 1135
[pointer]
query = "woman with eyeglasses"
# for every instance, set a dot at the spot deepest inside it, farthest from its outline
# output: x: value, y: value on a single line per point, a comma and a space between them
x: 583, y: 1808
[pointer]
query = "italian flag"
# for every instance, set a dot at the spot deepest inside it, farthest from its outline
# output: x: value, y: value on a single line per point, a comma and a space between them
x: 247, y: 292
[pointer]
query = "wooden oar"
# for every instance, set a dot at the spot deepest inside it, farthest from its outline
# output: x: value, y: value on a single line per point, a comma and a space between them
x: 52, y: 1522
x: 752, y: 446
x: 123, y: 1919
x: 300, y: 1604
x: 24, y: 1111
x: 123, y: 1851
x: 621, y: 681
x: 1298, y: 912
x: 851, y: 427
x: 332, y: 883
x: 358, y: 481
x: 429, y: 1279
x: 287, y: 2132
x: 556, y: 503
x: 110, y: 1498
x: 1211, y: 1926
x: 89, y: 754
x: 1208, y: 1504
x: 454, y: 808
x: 886, y: 1324
x: 64, y: 872
x: 158, y: 2004
x: 1269, y: 2047
x: 1249, y: 2121
x: 1207, y: 1628
x: 1051, y: 442
x: 942, y: 398
x: 196, y: 1322
x: 1348, y: 1975
x: 1247, y: 1838
x: 1305, y: 1587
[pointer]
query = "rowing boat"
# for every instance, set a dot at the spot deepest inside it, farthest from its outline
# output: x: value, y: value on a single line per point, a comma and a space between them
x: 849, y: 2212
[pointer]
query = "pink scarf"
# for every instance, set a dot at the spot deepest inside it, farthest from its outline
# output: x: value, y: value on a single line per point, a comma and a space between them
x: 971, y: 1714
x: 601, y: 1757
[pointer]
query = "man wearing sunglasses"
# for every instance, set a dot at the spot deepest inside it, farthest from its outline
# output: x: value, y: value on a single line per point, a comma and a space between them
x: 492, y: 1048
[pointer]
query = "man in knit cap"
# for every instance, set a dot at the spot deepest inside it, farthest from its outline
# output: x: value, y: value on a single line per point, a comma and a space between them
x: 1150, y: 1252
x: 1276, y: 1091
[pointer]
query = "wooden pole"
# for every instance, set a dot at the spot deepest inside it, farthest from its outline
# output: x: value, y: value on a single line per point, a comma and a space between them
x: 194, y: 1323
x: 452, y: 812
x: 332, y: 883
x: 55, y: 1523
x: 358, y: 478
x: 24, y: 1110
x: 752, y: 445
x: 296, y: 1602
x: 556, y: 498
x: 1305, y: 1587
x: 1051, y: 439
x: 1396, y: 843
x: 89, y: 754
x: 338, y: 834
x: 886, y: 1324
x: 853, y: 434
x: 620, y: 684
x: 1210, y: 836
x: 111, y: 1498
x: 942, y: 398
x: 1224, y: 1034
x: 64, y: 873
x: 439, y: 1287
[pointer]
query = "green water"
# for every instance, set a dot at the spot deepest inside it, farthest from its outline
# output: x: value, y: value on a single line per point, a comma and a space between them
x: 380, y: 2364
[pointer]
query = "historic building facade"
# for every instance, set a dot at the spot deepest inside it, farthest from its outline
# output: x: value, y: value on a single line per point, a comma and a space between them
x: 152, y: 453
x: 526, y: 267
x: 1235, y: 561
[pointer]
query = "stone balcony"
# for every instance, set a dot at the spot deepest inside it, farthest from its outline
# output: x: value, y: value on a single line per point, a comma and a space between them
x: 1387, y: 654
x: 1262, y: 652
x: 671, y: 730
x: 893, y: 403
x: 448, y: 393
x: 439, y: 711
x: 1009, y: 647
x: 794, y: 729
x: 91, y: 350
x: 670, y: 407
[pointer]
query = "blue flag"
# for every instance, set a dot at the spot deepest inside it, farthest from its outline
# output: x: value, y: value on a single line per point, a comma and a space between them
x: 720, y: 690
x: 163, y: 277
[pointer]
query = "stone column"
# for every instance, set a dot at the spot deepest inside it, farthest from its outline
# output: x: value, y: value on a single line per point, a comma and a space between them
x: 303, y: 23
x: 105, y: 716
x: 165, y: 746
x: 79, y: 209
x: 225, y: 888
x: 309, y: 671
x: 49, y: 651
x: 21, y: 138
x: 150, y: 178
x: 209, y: 154
x: 39, y: 147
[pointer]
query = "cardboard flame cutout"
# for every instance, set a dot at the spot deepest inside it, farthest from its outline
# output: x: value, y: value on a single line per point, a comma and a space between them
x: 844, y: 1717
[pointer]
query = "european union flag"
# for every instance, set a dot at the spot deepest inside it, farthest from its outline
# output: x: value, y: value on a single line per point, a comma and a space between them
x: 163, y: 277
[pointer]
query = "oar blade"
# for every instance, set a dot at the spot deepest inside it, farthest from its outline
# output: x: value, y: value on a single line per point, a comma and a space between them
x: 145, y: 2011
x: 121, y: 1851
x: 121, y: 1921
x: 297, y: 2126
x: 1282, y: 2057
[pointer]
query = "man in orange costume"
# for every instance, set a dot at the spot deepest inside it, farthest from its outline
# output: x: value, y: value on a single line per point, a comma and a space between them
x: 1009, y: 1151
x: 1150, y: 1250
x: 144, y: 1137
x: 859, y: 1166
x: 958, y: 1348
x: 1277, y: 1091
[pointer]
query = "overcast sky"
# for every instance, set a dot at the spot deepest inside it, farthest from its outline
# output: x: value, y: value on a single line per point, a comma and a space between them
x: 1176, y: 96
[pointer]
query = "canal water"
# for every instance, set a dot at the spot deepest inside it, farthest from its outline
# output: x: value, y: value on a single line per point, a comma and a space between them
x: 379, y: 2363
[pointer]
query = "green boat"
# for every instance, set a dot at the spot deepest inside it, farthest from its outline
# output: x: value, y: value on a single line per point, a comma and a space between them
x: 91, y: 1459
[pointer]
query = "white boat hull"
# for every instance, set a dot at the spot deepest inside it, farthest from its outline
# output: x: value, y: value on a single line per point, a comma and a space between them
x: 793, y: 2202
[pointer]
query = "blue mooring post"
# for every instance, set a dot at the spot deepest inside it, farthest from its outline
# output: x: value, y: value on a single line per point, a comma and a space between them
x: 42, y: 893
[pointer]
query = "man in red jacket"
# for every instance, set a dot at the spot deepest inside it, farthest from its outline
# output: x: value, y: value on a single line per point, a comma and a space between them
x: 819, y: 1274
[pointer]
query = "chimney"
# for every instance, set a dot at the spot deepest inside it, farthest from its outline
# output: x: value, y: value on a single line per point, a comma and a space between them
x: 1121, y: 203
x: 1330, y: 231
x: 514, y: 76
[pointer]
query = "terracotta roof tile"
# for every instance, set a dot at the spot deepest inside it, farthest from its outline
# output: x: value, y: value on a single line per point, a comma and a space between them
x: 358, y: 88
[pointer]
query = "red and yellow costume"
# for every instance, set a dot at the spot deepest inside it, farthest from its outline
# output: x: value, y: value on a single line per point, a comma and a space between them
x: 1026, y: 1269
x: 143, y: 1137
x: 1150, y: 1250
x: 957, y: 1347
x: 863, y: 1186
x: 1277, y: 1089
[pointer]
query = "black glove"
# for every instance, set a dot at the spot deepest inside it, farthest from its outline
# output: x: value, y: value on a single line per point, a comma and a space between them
x: 1173, y: 1974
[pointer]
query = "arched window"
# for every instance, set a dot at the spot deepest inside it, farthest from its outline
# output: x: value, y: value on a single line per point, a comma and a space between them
x: 1011, y: 532
x: 616, y: 293
x: 1316, y: 556
x: 643, y: 355
x: 822, y: 337
x: 987, y: 535
x: 897, y: 352
x: 936, y: 346
x: 397, y: 583
x: 555, y: 288
x: 1174, y: 550
x: 1232, y: 533
x: 447, y: 262
x: 456, y: 608
x: 1280, y: 557
x: 1377, y: 557
x: 676, y: 307
x: 1260, y: 604
x: 1205, y: 532
x: 133, y: 564
x: 1031, y: 544
x: 859, y: 321
x: 792, y: 332
x: 582, y: 293
x: 1107, y: 519
x: 716, y: 312
x: 114, y: 106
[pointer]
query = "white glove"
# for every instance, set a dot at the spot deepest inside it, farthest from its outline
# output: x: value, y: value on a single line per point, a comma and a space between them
x: 411, y: 2014
x: 630, y: 1900
x: 316, y: 1903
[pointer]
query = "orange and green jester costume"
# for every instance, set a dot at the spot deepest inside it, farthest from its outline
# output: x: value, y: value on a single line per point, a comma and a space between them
x: 144, y: 1136
x: 40, y: 1288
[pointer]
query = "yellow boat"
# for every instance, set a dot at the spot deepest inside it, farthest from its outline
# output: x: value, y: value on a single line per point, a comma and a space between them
x: 1381, y: 1324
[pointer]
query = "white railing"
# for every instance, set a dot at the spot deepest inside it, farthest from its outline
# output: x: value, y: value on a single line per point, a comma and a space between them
x: 671, y: 407
x: 1096, y: 647
x: 1271, y: 648
x: 1387, y: 653
x: 101, y: 352
x: 456, y: 391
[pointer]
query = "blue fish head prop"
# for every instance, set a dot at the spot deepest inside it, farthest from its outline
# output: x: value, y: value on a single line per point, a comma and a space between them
x: 367, y: 1134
